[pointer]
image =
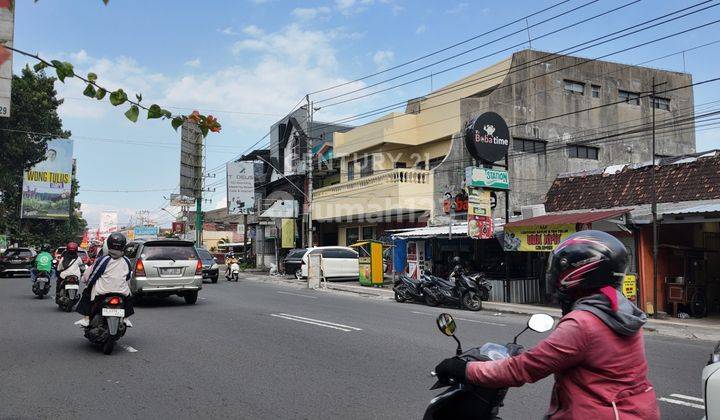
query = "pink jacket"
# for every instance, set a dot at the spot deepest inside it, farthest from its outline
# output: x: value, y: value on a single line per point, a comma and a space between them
x: 599, y: 374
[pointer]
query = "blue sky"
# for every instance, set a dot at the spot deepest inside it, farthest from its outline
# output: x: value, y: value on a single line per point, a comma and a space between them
x: 249, y: 62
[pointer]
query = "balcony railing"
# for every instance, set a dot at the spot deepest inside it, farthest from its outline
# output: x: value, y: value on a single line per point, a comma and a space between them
x: 399, y: 177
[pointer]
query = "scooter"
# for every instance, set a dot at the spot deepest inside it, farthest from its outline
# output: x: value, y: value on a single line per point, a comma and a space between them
x: 69, y: 293
x: 483, y: 285
x: 711, y: 385
x: 107, y: 322
x: 463, y: 292
x: 462, y: 401
x: 407, y: 288
x: 234, y: 271
x: 41, y: 285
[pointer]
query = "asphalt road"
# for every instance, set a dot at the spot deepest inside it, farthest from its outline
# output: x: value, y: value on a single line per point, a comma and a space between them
x: 269, y: 351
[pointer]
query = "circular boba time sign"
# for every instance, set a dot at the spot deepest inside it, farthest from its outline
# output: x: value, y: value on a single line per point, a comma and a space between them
x: 487, y: 137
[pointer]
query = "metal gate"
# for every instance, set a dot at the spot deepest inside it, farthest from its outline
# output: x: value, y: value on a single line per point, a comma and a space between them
x: 526, y: 290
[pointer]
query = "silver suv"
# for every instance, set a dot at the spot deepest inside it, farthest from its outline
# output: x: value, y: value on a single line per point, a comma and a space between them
x: 165, y: 267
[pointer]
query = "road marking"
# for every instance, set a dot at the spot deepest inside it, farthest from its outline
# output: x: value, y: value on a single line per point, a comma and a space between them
x: 687, y: 397
x: 297, y: 294
x: 465, y: 319
x: 685, y: 403
x: 318, y: 322
x: 128, y: 348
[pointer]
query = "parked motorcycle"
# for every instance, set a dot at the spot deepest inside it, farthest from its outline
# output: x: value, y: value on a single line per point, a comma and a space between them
x: 461, y: 292
x: 234, y: 272
x: 107, y: 322
x: 462, y: 401
x: 69, y: 293
x: 483, y: 285
x: 41, y: 285
x: 711, y: 385
x: 408, y: 288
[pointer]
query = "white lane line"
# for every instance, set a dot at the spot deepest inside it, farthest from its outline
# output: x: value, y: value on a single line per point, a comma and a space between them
x: 309, y: 322
x: 297, y: 294
x: 687, y: 397
x: 323, y: 322
x: 128, y: 348
x: 685, y: 403
x: 465, y: 319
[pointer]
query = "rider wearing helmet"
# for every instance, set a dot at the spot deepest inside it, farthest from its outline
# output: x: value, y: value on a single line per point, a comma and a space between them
x: 43, y: 262
x: 596, y: 352
x: 68, y: 265
x: 110, y: 274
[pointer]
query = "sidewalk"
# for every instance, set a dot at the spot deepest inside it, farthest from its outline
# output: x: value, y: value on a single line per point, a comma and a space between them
x: 696, y: 329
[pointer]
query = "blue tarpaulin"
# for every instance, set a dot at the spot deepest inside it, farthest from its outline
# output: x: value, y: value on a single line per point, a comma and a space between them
x: 399, y: 255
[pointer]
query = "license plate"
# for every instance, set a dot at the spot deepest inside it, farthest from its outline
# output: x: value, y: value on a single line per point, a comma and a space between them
x: 113, y: 312
x: 72, y: 286
x: 41, y: 280
x: 175, y: 271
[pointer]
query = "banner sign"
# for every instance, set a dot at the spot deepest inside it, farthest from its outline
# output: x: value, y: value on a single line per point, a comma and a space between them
x: 479, y: 202
x: 145, y: 231
x: 178, y: 200
x: 487, y: 137
x: 47, y: 186
x: 108, y: 222
x: 240, y: 187
x: 629, y: 286
x: 487, y: 178
x: 7, y: 19
x: 540, y: 238
x: 178, y: 227
x: 288, y: 233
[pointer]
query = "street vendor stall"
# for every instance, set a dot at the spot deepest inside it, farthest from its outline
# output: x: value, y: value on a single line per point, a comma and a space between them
x: 370, y: 259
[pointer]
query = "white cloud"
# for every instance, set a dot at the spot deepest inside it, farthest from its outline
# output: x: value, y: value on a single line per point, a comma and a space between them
x: 383, y: 58
x: 420, y: 29
x: 253, y: 30
x: 458, y: 8
x: 349, y: 7
x: 193, y: 63
x: 311, y: 13
x: 227, y: 31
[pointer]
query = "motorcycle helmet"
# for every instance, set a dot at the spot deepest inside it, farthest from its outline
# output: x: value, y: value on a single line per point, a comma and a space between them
x: 587, y: 260
x: 46, y: 248
x: 71, y: 247
x: 116, y: 243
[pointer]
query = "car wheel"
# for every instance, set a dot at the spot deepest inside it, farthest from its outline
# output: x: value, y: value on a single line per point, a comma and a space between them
x: 298, y: 274
x: 191, y: 298
x: 215, y: 279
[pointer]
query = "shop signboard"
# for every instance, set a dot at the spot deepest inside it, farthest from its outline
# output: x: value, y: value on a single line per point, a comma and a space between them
x: 538, y: 238
x: 146, y: 231
x: 240, y: 187
x: 487, y: 137
x: 487, y: 178
x: 287, y: 233
x: 480, y: 222
x: 629, y: 286
x: 47, y: 186
x: 7, y: 23
x: 178, y: 227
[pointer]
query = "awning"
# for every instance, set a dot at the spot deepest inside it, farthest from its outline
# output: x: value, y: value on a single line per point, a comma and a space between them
x: 705, y: 208
x: 458, y: 230
x: 569, y: 218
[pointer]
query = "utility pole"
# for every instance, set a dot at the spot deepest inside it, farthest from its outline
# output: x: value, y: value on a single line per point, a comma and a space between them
x: 309, y: 145
x: 653, y: 99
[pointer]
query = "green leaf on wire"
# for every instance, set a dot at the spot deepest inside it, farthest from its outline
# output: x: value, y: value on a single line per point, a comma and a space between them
x: 39, y: 66
x: 89, y: 91
x: 118, y: 97
x: 132, y: 113
x: 92, y: 76
x: 154, y: 111
x: 176, y: 122
x: 100, y: 94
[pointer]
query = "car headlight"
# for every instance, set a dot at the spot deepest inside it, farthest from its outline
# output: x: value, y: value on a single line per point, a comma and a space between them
x: 214, y: 266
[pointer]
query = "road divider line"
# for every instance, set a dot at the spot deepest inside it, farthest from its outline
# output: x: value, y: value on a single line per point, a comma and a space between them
x: 297, y: 294
x: 465, y: 319
x: 324, y: 322
x: 128, y: 348
x: 310, y: 322
x: 685, y: 403
x: 687, y: 397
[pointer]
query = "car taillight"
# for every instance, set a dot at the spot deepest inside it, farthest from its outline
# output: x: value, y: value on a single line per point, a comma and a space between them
x: 139, y: 268
x: 198, y: 268
x: 114, y: 301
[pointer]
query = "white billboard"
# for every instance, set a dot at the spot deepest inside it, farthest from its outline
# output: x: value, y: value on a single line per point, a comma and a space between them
x: 108, y: 222
x: 47, y: 186
x: 240, y: 188
x: 7, y: 19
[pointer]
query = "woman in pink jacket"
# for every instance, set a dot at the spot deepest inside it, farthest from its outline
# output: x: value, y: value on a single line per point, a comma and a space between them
x: 596, y: 353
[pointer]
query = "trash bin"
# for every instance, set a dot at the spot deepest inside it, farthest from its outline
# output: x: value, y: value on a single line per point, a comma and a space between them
x: 370, y: 260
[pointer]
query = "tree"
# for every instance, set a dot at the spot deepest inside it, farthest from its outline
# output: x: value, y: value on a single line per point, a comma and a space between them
x: 23, y: 141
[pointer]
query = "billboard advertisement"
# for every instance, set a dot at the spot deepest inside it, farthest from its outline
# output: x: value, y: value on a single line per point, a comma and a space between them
x: 191, y: 164
x: 7, y: 19
x: 47, y: 186
x: 108, y: 222
x: 240, y: 188
x: 540, y: 238
x: 145, y: 232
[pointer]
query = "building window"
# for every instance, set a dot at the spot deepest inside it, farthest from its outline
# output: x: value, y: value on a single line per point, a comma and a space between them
x: 529, y: 146
x: 436, y: 161
x: 352, y: 235
x: 420, y: 165
x: 367, y: 232
x: 574, y: 87
x: 583, y: 152
x: 660, y: 103
x: 629, y: 97
x: 351, y: 170
x: 595, y: 91
x: 399, y: 165
x: 366, y: 166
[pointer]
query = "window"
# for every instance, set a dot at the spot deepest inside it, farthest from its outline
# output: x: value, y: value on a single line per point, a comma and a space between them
x: 436, y: 161
x: 169, y: 252
x: 583, y: 152
x: 595, y: 91
x: 400, y: 165
x: 352, y: 235
x: 529, y: 146
x: 661, y: 103
x: 346, y: 253
x: 204, y: 254
x: 297, y: 253
x: 331, y: 253
x: 367, y: 232
x: 629, y: 97
x: 574, y: 87
x: 366, y: 166
x: 420, y: 165
x: 18, y: 253
x: 351, y: 170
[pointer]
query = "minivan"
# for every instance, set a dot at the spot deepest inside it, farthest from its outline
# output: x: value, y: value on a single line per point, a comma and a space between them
x: 165, y: 267
x: 338, y: 262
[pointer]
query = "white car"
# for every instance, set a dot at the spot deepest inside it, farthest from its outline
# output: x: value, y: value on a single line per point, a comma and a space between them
x: 338, y: 262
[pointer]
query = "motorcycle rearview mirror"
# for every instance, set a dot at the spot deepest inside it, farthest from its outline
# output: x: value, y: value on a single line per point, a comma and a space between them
x: 446, y: 324
x: 538, y: 323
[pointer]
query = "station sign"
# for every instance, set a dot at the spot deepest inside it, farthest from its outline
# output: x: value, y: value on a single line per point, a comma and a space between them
x: 487, y: 178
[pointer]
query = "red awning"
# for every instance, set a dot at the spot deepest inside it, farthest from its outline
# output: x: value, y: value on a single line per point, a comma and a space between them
x: 568, y: 218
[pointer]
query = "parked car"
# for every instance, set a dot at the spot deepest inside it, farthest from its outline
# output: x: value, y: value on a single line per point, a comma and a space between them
x: 17, y: 261
x: 293, y: 262
x: 339, y: 262
x: 210, y: 268
x: 165, y: 267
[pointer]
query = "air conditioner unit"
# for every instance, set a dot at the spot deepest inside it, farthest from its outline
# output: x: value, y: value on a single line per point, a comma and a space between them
x: 532, y: 211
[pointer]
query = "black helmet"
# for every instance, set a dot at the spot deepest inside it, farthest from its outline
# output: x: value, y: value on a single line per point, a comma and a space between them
x: 585, y: 261
x: 46, y: 248
x: 116, y: 241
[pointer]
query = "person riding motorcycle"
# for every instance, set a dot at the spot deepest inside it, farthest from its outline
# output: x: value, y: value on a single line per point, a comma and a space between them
x: 43, y: 263
x: 110, y: 274
x: 229, y: 260
x: 68, y: 265
x: 596, y: 352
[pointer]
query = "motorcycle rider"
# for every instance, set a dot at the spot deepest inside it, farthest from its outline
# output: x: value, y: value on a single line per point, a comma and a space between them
x: 596, y: 352
x: 110, y: 274
x: 43, y: 263
x: 229, y: 260
x: 68, y: 265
